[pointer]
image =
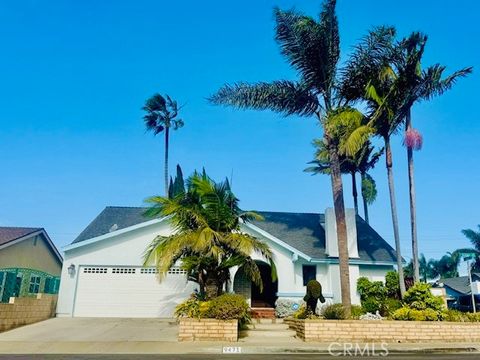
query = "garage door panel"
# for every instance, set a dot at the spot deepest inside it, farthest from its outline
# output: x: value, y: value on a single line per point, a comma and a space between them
x: 129, y: 292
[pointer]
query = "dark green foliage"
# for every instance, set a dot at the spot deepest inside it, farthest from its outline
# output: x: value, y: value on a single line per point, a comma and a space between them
x: 177, y: 186
x: 314, y: 293
x: 392, y: 285
x: 314, y: 289
x: 334, y: 312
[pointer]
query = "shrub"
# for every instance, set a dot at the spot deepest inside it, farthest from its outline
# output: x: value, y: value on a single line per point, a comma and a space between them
x: 454, y: 315
x: 287, y: 307
x: 302, y: 313
x: 392, y: 284
x: 371, y: 305
x: 189, y: 308
x: 357, y: 311
x: 409, y: 314
x: 227, y: 307
x: 334, y: 312
x: 420, y: 297
x: 314, y: 289
x: 389, y: 306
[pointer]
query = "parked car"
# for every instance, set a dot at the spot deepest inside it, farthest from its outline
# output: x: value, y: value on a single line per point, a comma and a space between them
x: 464, y: 303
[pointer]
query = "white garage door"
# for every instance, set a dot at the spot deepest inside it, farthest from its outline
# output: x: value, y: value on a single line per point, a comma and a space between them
x: 106, y: 291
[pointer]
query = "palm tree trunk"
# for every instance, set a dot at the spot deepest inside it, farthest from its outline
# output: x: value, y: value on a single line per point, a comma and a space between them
x: 167, y: 135
x: 354, y: 192
x: 413, y: 209
x: 365, y: 205
x: 342, y: 240
x: 393, y: 207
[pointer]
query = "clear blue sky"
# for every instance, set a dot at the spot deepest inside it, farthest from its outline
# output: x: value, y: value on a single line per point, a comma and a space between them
x: 74, y: 75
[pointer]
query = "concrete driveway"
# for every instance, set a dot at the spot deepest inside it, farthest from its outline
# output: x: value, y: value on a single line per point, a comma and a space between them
x: 95, y: 329
x: 90, y: 335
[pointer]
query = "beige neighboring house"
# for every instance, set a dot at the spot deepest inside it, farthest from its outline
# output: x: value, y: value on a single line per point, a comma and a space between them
x: 29, y: 263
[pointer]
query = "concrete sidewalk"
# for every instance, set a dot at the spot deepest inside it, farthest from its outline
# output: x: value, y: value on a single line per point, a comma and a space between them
x: 158, y: 336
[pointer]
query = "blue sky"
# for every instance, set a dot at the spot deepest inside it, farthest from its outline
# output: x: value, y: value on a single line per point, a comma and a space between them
x: 75, y: 75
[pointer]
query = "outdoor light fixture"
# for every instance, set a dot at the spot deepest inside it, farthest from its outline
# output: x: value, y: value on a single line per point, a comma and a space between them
x: 71, y: 270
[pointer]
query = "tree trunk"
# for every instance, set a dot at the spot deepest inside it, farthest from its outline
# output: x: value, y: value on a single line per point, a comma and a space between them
x: 337, y: 188
x: 167, y: 135
x: 354, y: 192
x: 365, y: 205
x: 212, y: 288
x: 413, y: 209
x: 393, y: 207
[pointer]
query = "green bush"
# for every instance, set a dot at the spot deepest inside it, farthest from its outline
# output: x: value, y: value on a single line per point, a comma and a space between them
x: 334, y: 312
x: 371, y: 305
x: 392, y: 285
x: 420, y: 297
x: 357, y: 311
x: 314, y: 289
x: 389, y: 306
x: 409, y: 314
x: 227, y: 307
x: 189, y: 308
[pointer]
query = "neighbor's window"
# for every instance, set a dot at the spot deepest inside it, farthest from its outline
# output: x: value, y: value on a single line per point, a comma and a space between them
x: 34, y: 284
x: 309, y: 273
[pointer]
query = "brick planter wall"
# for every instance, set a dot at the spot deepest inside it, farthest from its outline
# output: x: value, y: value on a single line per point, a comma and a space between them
x: 207, y: 330
x: 26, y: 310
x: 385, y: 330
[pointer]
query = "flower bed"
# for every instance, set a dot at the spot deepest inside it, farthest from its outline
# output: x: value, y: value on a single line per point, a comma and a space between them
x: 208, y: 330
x: 385, y: 330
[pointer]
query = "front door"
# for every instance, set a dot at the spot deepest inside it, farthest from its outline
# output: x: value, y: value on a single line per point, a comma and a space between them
x: 268, y: 296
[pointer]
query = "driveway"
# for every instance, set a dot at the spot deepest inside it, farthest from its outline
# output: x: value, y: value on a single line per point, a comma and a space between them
x: 95, y: 329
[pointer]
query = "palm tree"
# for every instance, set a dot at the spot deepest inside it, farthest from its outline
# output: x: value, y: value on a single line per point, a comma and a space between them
x: 312, y: 48
x: 369, y: 193
x: 474, y: 237
x: 207, y: 238
x: 416, y: 85
x: 446, y: 266
x: 161, y: 115
x: 361, y: 162
x: 370, y: 78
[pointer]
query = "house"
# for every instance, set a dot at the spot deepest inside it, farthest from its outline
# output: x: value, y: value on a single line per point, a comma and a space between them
x: 29, y: 263
x: 103, y: 275
x: 459, y: 286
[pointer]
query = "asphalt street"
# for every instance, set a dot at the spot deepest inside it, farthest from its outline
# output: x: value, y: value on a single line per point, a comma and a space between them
x: 409, y: 356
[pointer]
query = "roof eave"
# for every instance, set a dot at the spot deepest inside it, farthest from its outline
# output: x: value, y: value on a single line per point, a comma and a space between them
x: 111, y: 234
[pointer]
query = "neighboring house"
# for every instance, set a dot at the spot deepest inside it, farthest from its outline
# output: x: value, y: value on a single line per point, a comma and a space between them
x: 459, y: 286
x: 103, y: 275
x: 29, y: 263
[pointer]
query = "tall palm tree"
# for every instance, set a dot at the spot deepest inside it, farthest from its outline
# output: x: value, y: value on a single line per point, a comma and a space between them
x: 207, y: 238
x: 416, y: 85
x: 369, y: 193
x: 361, y: 162
x: 161, y: 115
x: 370, y: 78
x: 312, y: 48
x: 474, y: 237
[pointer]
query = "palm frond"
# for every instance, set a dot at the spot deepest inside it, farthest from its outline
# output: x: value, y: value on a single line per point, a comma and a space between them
x: 286, y: 97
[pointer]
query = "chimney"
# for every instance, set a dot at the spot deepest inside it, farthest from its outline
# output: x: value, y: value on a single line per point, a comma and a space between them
x: 330, y: 226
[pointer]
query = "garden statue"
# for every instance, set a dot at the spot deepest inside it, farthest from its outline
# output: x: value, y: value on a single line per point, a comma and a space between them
x: 314, y: 293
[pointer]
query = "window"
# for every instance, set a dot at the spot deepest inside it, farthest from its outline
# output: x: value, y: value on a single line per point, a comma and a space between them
x: 34, y: 284
x: 309, y: 273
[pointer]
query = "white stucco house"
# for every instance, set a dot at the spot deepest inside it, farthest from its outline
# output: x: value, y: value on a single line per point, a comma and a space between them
x: 102, y: 273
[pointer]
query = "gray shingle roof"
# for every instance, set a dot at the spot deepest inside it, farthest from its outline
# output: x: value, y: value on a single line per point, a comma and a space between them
x: 460, y: 284
x: 302, y: 231
x: 8, y: 234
